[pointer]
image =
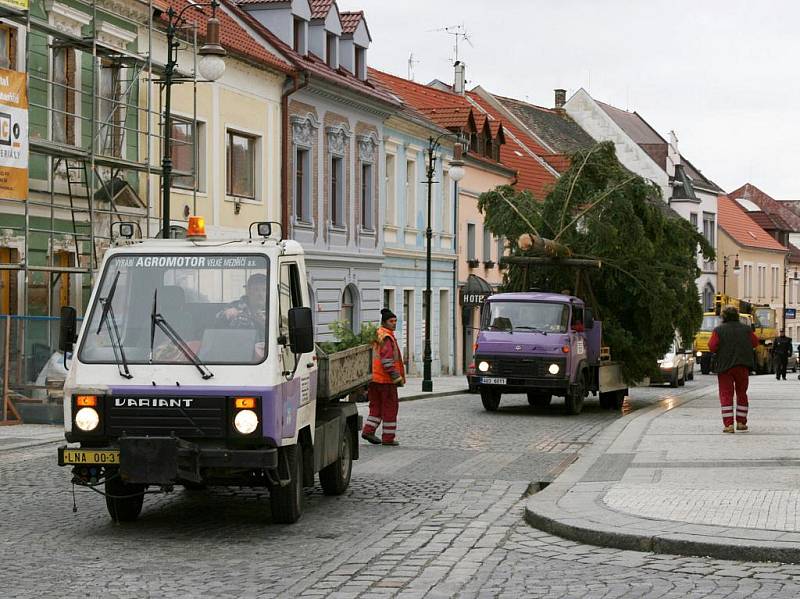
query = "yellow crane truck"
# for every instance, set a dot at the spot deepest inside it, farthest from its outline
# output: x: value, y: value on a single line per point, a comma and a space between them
x: 761, y: 317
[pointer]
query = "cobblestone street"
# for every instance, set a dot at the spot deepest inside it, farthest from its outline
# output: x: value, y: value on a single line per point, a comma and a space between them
x: 440, y: 516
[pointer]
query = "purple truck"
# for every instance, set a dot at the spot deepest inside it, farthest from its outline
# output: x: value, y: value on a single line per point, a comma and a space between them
x: 543, y: 344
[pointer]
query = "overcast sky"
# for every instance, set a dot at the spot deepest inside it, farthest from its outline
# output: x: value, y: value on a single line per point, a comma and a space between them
x: 722, y: 74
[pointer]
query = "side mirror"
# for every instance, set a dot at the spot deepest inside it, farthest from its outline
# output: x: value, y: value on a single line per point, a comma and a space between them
x: 301, y: 330
x: 67, y: 334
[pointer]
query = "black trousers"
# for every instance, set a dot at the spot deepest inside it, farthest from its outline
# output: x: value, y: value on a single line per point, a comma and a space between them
x: 780, y: 366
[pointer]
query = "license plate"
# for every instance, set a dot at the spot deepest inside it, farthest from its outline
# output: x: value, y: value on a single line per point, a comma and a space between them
x: 493, y: 380
x: 90, y: 456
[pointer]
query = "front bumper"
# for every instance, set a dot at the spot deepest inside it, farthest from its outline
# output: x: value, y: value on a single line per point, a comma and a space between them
x: 167, y: 460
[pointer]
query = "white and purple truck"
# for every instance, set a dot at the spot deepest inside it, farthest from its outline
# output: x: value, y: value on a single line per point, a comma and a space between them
x: 196, y: 365
x: 543, y: 345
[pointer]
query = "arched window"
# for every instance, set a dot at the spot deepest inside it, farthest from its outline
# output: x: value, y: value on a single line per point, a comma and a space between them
x: 349, y: 312
x: 708, y: 297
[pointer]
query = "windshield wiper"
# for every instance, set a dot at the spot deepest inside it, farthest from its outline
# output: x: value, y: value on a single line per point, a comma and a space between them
x: 107, y: 318
x: 527, y: 328
x: 157, y: 320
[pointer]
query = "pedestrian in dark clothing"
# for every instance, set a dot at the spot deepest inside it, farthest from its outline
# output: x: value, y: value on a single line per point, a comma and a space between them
x: 388, y: 373
x: 733, y: 343
x: 781, y: 351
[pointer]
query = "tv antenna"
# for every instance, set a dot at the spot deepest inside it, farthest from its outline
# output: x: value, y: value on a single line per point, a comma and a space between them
x: 459, y: 32
x: 411, y: 62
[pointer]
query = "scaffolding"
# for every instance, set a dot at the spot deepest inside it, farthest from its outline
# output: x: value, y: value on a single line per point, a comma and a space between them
x: 98, y: 145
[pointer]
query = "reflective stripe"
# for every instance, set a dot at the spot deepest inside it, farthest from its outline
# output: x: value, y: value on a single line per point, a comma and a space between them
x: 727, y: 410
x: 373, y: 420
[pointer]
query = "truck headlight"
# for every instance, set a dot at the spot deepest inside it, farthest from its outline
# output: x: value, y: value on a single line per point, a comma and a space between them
x: 87, y: 419
x: 483, y: 366
x: 554, y: 369
x: 246, y: 421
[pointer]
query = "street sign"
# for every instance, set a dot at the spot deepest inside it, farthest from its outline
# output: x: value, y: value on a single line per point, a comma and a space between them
x: 790, y: 313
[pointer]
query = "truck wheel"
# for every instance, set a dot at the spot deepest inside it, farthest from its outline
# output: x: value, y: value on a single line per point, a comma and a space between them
x: 335, y: 478
x: 124, y: 501
x: 575, y: 396
x: 286, y: 503
x: 490, y: 399
x: 539, y: 400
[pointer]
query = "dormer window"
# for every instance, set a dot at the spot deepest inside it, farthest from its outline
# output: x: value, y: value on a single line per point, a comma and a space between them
x: 299, y: 36
x: 332, y: 51
x: 361, y: 63
x: 489, y: 148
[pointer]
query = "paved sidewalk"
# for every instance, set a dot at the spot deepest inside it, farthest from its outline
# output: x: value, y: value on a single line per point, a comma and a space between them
x: 18, y: 436
x: 666, y: 479
x: 442, y: 386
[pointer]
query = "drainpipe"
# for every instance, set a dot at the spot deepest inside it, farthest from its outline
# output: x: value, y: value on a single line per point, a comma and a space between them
x: 296, y: 86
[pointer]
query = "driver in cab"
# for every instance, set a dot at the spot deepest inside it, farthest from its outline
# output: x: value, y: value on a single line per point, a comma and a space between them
x: 249, y: 311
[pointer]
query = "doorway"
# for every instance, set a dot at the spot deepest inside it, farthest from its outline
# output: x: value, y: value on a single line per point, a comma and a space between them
x: 444, y: 331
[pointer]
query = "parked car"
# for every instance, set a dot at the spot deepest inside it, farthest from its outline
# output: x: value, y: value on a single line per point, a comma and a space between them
x: 672, y: 368
x: 793, y: 359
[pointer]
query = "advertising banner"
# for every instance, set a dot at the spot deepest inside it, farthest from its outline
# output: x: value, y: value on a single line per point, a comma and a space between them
x: 18, y: 4
x: 13, y: 135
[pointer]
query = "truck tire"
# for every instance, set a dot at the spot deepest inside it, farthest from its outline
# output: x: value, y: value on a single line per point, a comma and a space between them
x: 490, y: 399
x: 573, y: 402
x: 286, y: 503
x: 335, y: 478
x: 539, y: 400
x: 124, y: 501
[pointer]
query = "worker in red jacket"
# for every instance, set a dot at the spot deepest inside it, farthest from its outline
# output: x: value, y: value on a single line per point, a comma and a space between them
x: 388, y: 373
x: 733, y: 343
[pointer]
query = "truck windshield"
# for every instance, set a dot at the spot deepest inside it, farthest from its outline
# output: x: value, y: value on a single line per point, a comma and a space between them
x: 216, y: 303
x: 526, y: 316
x: 710, y: 323
x: 765, y: 317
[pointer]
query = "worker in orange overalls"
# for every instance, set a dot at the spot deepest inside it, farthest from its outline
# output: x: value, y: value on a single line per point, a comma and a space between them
x: 388, y: 374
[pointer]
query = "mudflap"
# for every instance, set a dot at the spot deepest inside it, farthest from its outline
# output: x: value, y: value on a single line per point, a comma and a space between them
x: 331, y: 422
x: 149, y: 460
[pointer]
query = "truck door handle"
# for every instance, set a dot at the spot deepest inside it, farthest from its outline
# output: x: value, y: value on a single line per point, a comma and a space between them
x: 309, y: 364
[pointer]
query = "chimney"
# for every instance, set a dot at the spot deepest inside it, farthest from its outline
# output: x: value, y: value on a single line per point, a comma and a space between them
x: 561, y: 98
x: 460, y: 81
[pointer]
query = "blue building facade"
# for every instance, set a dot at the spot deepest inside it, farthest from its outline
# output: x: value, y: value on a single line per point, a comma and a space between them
x: 404, y: 210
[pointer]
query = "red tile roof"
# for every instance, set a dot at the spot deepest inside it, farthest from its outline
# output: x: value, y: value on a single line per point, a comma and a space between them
x: 560, y: 162
x: 520, y: 152
x: 743, y: 229
x: 320, y: 8
x: 350, y: 21
x: 770, y: 205
x: 315, y: 66
x: 236, y: 40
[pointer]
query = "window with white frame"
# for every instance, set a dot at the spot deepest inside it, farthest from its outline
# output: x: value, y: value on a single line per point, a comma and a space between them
x: 63, y: 96
x: 501, y: 247
x: 471, y: 242
x: 693, y: 219
x: 111, y: 109
x: 337, y: 191
x: 8, y: 46
x: 388, y: 299
x: 367, y: 205
x: 446, y: 183
x: 411, y: 193
x: 762, y: 281
x: 748, y: 280
x: 185, y: 134
x: 391, y: 182
x: 241, y: 165
x: 302, y: 178
x: 775, y: 282
x: 487, y: 245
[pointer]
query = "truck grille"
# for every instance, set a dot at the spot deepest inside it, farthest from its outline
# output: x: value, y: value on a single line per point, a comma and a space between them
x: 193, y: 418
x: 526, y: 367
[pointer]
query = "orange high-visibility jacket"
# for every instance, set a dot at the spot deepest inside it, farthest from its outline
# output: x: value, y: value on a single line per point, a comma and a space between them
x: 387, y: 362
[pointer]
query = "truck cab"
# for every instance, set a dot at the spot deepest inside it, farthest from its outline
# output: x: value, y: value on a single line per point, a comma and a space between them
x: 196, y: 366
x: 541, y: 344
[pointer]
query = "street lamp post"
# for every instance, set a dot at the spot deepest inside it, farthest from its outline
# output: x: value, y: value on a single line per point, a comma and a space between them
x: 211, y: 67
x: 736, y: 270
x: 456, y: 174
